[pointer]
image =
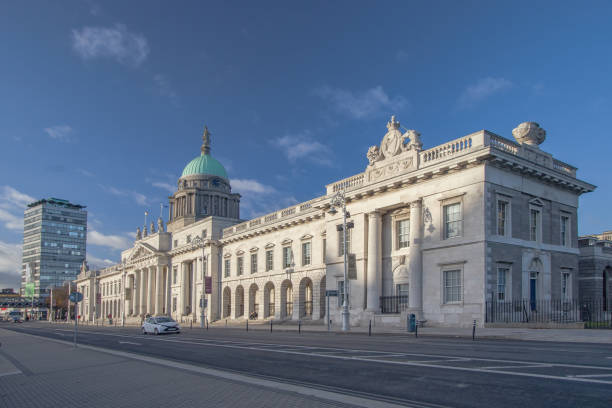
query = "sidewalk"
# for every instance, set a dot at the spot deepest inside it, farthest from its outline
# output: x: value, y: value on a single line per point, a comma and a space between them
x: 37, y: 372
x: 602, y: 336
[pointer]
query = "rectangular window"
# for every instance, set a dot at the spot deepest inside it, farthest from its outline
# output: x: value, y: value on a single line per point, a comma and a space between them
x: 403, y: 233
x: 324, y: 249
x: 287, y: 257
x: 402, y: 290
x: 174, y: 273
x: 565, y: 229
x: 452, y: 220
x: 269, y: 260
x: 174, y: 304
x: 534, y: 225
x: 565, y: 285
x: 341, y: 242
x: 240, y: 268
x: 253, y: 263
x: 188, y: 238
x: 305, y: 253
x: 502, y: 277
x: 502, y: 217
x: 227, y: 268
x: 340, y: 293
x: 452, y: 286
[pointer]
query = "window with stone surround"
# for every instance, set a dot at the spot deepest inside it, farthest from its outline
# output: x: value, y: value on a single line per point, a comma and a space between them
x: 503, y: 283
x: 566, y: 240
x: 503, y: 217
x: 402, y: 231
x: 174, y: 273
x: 240, y: 266
x: 287, y: 257
x: 566, y: 283
x: 341, y: 242
x: 269, y: 260
x: 452, y: 285
x: 452, y: 220
x: 306, y: 257
x: 253, y: 263
x: 535, y: 224
x: 227, y: 268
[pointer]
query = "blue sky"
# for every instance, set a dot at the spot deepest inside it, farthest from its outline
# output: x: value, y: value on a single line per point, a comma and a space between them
x: 103, y: 103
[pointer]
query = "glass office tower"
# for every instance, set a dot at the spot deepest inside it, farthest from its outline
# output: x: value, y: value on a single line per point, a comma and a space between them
x: 54, y: 244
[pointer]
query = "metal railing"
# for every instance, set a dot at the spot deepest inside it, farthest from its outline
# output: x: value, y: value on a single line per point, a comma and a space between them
x: 393, y: 304
x: 594, y: 313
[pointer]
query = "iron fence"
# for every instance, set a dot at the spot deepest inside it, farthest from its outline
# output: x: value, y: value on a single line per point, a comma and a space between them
x: 393, y: 304
x: 594, y: 313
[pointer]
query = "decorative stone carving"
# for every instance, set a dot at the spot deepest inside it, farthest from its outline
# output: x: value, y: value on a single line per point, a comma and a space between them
x: 374, y: 154
x: 152, y: 227
x: 160, y: 225
x: 138, y: 234
x: 144, y: 231
x: 84, y: 267
x: 529, y: 133
x: 392, y: 143
x: 415, y: 140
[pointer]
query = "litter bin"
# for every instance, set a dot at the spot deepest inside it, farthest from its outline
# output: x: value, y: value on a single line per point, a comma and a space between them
x: 412, y: 323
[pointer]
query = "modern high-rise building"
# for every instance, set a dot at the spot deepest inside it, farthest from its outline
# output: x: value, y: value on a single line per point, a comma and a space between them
x: 54, y: 244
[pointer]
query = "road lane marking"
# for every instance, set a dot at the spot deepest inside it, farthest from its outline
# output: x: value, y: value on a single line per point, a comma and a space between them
x: 341, y: 396
x: 130, y: 342
x: 593, y: 375
x: 519, y: 366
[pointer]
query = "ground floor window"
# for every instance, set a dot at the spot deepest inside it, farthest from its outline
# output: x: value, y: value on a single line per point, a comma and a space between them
x: 453, y: 288
x: 402, y: 291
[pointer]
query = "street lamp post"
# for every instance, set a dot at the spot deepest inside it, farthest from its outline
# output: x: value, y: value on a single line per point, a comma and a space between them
x: 339, y: 200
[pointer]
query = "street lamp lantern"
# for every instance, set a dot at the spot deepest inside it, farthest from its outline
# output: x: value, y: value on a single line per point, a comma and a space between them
x: 339, y: 200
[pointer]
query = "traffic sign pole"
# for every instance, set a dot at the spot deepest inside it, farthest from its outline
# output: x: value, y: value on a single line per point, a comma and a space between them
x: 76, y: 322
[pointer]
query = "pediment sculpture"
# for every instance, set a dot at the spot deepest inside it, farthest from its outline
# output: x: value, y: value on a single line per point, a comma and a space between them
x: 394, y: 143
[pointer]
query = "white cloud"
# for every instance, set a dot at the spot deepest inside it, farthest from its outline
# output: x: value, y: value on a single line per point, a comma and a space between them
x: 165, y: 186
x: 61, y: 133
x: 360, y: 105
x: 302, y: 145
x: 97, y: 263
x: 402, y: 55
x: 139, y: 198
x: 111, y: 241
x: 250, y: 186
x: 86, y: 173
x: 111, y: 42
x: 165, y: 89
x: 481, y: 90
x: 10, y: 265
x: 12, y: 205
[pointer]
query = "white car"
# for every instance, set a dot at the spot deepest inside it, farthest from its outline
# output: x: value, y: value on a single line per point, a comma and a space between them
x: 160, y: 325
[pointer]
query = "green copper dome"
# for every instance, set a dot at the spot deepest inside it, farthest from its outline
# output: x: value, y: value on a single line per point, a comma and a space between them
x: 205, y: 164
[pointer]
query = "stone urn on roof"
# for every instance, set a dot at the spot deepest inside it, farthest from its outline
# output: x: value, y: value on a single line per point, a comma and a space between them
x: 529, y: 133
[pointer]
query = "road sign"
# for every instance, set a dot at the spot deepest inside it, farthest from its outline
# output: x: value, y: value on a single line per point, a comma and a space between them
x: 76, y: 297
x: 29, y: 289
x: 207, y: 284
x: 331, y: 293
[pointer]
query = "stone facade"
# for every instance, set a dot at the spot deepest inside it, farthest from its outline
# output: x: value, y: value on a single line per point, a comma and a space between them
x: 596, y: 269
x: 435, y: 232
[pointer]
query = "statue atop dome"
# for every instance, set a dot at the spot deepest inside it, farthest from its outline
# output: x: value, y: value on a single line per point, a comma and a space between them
x: 206, y: 141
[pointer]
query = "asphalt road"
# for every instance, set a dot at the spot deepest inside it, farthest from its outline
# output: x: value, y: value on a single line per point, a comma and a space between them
x: 399, y: 369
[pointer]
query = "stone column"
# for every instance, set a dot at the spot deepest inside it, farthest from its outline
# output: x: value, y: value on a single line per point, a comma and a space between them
x: 158, y: 289
x: 374, y: 264
x: 150, y: 292
x: 168, y: 292
x: 415, y: 258
x: 136, y: 309
x: 194, y: 291
x: 183, y: 297
x: 143, y: 301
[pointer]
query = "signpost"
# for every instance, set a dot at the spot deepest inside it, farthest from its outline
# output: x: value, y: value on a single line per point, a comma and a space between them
x: 76, y: 297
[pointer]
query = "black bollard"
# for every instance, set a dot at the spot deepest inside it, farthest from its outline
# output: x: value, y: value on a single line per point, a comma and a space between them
x: 474, y: 331
x: 299, y: 327
x: 270, y: 326
x: 225, y: 322
x: 370, y: 328
x: 191, y: 324
x: 416, y: 329
x: 206, y: 324
x: 247, y: 324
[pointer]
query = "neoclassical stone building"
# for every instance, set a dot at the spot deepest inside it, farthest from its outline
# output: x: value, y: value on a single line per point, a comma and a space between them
x: 435, y: 232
